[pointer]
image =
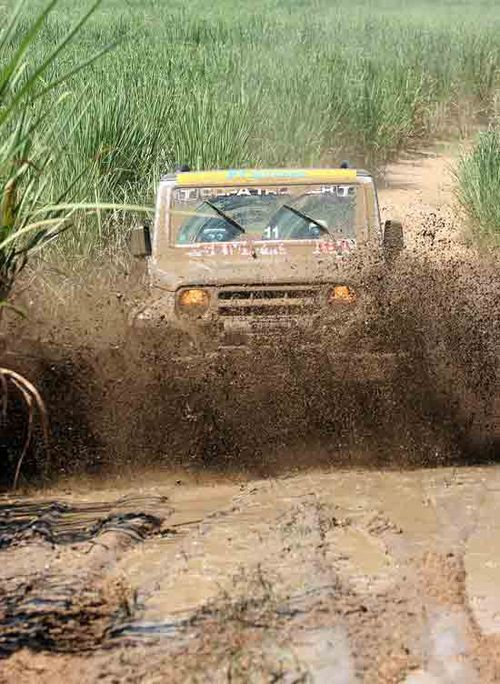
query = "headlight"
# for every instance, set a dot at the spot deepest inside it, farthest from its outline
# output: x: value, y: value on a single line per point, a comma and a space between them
x: 193, y: 302
x: 341, y: 294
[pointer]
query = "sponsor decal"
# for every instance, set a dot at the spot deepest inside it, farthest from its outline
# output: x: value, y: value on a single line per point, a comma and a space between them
x: 257, y: 174
x: 196, y: 194
x: 245, y: 249
x: 337, y: 247
x: 263, y: 176
x: 338, y: 190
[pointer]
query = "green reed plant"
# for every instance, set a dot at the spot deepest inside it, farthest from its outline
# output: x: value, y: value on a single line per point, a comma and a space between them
x: 30, y: 215
x: 478, y: 187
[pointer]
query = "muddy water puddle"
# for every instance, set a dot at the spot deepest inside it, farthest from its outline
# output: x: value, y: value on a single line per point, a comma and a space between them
x: 347, y: 558
x: 366, y: 526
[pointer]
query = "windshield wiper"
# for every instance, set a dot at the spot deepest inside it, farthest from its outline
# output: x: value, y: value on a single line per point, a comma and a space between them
x: 322, y: 228
x: 225, y: 216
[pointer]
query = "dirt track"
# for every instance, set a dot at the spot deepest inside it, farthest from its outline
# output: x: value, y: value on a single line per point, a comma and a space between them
x: 330, y: 575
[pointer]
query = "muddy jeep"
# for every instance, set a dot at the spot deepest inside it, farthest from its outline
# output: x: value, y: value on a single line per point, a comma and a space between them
x: 239, y: 258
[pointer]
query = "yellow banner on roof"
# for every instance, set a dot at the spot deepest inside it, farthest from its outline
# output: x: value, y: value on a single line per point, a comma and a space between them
x: 250, y: 177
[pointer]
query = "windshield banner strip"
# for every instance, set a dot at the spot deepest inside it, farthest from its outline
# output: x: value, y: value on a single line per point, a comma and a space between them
x: 251, y: 177
x: 338, y: 248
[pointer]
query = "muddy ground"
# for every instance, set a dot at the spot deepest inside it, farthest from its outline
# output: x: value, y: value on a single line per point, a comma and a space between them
x: 348, y: 541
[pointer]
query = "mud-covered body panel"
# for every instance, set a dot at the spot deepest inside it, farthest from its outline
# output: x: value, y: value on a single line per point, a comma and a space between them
x: 199, y: 265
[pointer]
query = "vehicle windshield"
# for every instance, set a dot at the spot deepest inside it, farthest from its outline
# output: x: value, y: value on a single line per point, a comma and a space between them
x: 313, y: 212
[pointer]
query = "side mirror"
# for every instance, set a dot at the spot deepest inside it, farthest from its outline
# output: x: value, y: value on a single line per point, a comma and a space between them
x: 140, y: 241
x: 393, y: 241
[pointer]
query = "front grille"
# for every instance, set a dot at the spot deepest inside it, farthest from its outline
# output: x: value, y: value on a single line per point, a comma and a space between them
x: 264, y: 301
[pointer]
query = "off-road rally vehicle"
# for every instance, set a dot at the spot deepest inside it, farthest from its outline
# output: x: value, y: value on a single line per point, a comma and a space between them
x: 240, y: 257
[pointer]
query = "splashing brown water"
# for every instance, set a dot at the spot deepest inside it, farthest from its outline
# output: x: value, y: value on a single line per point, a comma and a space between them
x: 117, y: 402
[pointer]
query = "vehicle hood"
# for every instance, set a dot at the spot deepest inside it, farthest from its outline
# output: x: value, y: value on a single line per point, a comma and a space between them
x: 218, y: 265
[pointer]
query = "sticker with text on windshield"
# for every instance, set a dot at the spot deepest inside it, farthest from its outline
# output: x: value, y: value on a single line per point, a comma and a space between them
x: 338, y: 190
x: 338, y: 248
x: 195, y: 194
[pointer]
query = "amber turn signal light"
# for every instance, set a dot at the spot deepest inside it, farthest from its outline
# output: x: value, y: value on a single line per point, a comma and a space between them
x: 341, y: 293
x: 194, y: 301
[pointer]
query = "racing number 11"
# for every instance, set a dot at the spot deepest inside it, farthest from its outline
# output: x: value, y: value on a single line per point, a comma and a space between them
x: 272, y: 233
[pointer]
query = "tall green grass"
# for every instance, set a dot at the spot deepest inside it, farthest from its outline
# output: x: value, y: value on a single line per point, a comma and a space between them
x: 478, y: 187
x: 274, y: 82
x: 33, y: 120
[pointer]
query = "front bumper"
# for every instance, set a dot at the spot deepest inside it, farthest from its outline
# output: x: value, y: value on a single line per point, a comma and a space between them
x: 212, y: 332
x: 339, y: 345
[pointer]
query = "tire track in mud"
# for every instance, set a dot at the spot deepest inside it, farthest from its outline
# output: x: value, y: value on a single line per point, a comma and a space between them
x: 55, y: 592
x: 297, y: 595
x: 421, y: 620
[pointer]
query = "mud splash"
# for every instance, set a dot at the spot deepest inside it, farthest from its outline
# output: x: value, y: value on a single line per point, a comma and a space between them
x: 115, y: 403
